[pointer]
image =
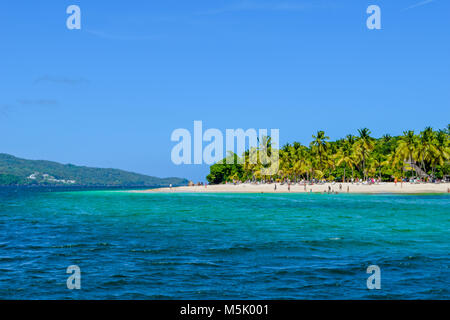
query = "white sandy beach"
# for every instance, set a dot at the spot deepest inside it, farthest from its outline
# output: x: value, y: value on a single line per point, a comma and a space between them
x: 389, y: 187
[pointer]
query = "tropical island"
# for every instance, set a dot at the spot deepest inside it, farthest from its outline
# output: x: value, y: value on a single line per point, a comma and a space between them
x: 424, y: 156
x: 410, y: 163
x: 21, y: 172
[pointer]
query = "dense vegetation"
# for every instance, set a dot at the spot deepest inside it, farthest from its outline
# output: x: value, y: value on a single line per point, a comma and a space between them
x: 424, y: 155
x: 15, y: 171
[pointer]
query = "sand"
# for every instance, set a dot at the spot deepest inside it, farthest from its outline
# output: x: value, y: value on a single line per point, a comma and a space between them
x: 388, y: 187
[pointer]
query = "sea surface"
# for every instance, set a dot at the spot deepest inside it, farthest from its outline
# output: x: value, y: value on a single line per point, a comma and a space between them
x: 222, y: 246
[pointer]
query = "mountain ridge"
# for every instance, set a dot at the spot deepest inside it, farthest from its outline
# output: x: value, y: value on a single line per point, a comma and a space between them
x: 16, y: 171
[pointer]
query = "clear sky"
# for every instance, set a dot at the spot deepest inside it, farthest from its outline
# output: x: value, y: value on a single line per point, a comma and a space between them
x: 110, y: 94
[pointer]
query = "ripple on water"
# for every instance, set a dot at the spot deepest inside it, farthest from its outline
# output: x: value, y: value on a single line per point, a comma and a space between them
x: 151, y: 246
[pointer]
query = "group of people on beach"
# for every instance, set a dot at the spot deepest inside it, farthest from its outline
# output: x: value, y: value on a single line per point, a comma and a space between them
x: 330, y: 190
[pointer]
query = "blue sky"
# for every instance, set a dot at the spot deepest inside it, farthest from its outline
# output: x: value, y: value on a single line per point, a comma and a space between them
x: 110, y: 94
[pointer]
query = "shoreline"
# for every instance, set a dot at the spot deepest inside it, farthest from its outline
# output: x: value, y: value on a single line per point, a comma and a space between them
x: 382, y: 188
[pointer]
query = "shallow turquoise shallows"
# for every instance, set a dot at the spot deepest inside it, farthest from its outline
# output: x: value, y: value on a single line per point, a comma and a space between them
x: 223, y: 246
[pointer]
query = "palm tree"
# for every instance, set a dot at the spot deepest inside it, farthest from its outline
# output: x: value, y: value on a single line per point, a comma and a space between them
x: 441, y: 150
x: 407, y: 147
x: 285, y: 168
x: 268, y: 161
x: 425, y: 147
x: 378, y: 162
x: 351, y: 140
x: 319, y: 147
x: 251, y: 163
x: 395, y: 164
x: 364, y: 145
x: 301, y: 160
x: 364, y: 155
x: 345, y: 154
x: 386, y: 138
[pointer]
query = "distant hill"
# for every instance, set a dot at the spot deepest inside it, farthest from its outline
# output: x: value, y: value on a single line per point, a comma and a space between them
x: 15, y: 171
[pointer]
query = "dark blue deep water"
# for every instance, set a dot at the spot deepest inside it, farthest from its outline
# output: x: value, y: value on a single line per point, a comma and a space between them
x: 222, y: 246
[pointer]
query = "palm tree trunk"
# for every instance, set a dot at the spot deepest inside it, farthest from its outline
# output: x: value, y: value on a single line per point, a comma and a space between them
x: 364, y: 167
x: 411, y: 164
x: 344, y: 175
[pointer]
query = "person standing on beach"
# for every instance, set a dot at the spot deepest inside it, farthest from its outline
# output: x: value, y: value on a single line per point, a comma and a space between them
x: 275, y: 187
x: 289, y: 186
x: 348, y: 189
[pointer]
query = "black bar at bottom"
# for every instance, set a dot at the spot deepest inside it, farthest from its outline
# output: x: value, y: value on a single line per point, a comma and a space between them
x: 225, y: 309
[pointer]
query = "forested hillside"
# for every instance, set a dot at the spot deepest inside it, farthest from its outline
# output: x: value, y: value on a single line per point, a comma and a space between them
x: 16, y: 171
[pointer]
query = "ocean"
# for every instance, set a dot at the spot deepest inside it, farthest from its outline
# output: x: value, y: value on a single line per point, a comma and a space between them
x: 222, y: 246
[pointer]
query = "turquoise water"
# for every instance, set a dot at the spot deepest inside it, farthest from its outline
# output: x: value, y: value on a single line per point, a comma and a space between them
x: 223, y: 246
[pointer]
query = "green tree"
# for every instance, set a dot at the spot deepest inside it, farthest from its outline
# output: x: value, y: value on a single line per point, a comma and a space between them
x: 407, y: 148
x: 319, y: 147
x: 363, y: 146
x: 346, y: 156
